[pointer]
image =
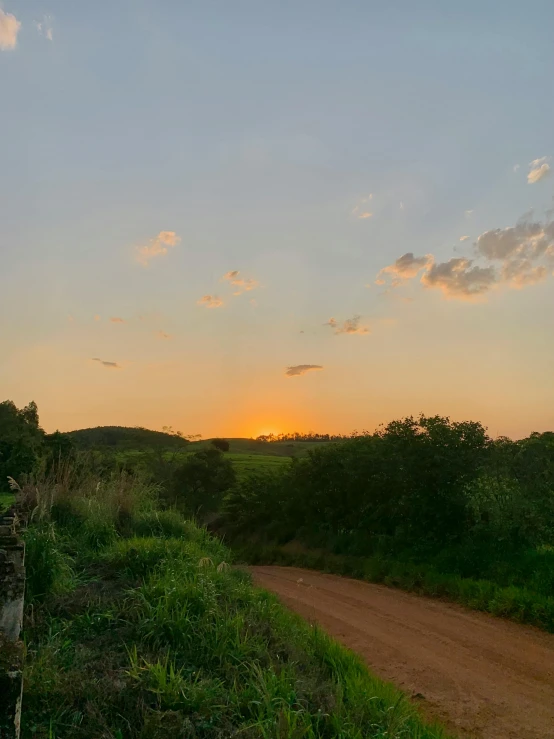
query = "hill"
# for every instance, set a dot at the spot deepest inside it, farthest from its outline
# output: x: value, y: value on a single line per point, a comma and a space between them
x: 125, y: 437
x: 272, y: 449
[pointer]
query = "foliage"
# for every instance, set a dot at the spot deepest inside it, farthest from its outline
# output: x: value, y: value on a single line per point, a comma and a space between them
x: 155, y: 635
x: 198, y: 484
x: 297, y: 436
x: 221, y: 444
x: 123, y: 437
x: 21, y: 439
x: 423, y: 495
x: 407, y: 482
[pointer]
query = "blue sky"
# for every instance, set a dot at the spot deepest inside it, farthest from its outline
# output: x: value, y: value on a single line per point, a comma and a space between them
x: 256, y: 132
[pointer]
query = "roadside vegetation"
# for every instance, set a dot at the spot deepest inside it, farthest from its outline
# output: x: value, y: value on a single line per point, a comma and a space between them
x: 138, y: 627
x: 425, y: 504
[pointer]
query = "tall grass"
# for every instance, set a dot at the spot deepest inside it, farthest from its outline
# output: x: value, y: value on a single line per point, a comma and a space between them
x: 139, y: 629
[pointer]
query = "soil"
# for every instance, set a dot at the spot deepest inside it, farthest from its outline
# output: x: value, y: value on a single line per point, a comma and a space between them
x: 481, y: 676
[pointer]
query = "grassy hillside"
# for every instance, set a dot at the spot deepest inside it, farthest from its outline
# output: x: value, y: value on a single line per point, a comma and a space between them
x: 138, y: 628
x: 124, y: 437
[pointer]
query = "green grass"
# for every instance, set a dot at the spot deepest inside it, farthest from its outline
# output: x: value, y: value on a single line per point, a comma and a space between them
x: 138, y: 628
x: 244, y: 463
x: 6, y: 499
x: 519, y: 604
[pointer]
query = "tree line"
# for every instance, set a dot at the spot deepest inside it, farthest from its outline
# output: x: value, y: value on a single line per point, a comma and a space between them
x: 429, y: 486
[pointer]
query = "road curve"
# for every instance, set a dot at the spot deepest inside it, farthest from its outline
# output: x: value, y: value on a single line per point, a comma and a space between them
x: 481, y: 676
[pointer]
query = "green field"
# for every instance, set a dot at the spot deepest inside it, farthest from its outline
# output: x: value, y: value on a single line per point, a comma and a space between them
x: 244, y: 463
x: 6, y: 499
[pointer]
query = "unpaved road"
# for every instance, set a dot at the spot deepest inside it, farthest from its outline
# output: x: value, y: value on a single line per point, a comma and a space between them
x: 482, y: 676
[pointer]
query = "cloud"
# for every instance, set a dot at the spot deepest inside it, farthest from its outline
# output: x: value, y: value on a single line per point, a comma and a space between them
x: 109, y: 365
x: 301, y: 369
x: 518, y: 256
x: 525, y: 239
x: 162, y: 335
x: 520, y: 273
x: 538, y: 171
x: 464, y: 238
x: 350, y: 326
x: 468, y: 213
x: 210, y: 301
x: 97, y: 317
x: 401, y: 205
x: 44, y: 27
x: 157, y: 246
x: 458, y: 278
x: 360, y: 209
x: 9, y: 28
x: 117, y: 319
x: 516, y: 167
x: 240, y: 284
x: 405, y: 267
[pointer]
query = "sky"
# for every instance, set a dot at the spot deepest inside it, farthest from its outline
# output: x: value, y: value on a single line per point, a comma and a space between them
x: 248, y: 217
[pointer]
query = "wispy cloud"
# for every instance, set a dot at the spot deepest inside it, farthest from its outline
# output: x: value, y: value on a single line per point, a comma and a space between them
x: 464, y: 238
x: 156, y: 247
x: 538, y: 169
x: 240, y: 284
x: 349, y: 326
x: 9, y: 28
x: 360, y: 210
x: 301, y: 369
x: 117, y: 319
x: 210, y: 301
x: 518, y: 256
x: 468, y: 213
x: 403, y: 269
x: 109, y: 365
x: 44, y: 27
x: 97, y: 317
x: 162, y: 335
x: 516, y: 167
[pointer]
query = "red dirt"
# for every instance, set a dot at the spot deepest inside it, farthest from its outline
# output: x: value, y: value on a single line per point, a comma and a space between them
x: 481, y: 676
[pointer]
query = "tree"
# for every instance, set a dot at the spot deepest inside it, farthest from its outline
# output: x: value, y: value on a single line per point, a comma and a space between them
x: 200, y: 482
x: 221, y: 444
x: 58, y: 447
x: 21, y: 440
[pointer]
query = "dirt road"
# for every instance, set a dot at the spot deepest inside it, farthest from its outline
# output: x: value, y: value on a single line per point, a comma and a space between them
x: 482, y: 676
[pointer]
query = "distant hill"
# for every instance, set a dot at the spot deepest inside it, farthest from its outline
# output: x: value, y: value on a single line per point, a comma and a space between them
x: 125, y: 437
x: 254, y: 446
x: 121, y: 438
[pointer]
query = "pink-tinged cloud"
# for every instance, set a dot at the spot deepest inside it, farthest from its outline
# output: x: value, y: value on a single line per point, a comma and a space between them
x: 301, y: 369
x: 210, y: 301
x: 108, y: 365
x: 117, y: 319
x: 157, y: 247
x: 538, y: 173
x: 240, y: 284
x: 349, y: 326
x: 9, y: 28
x: 404, y: 268
x: 464, y: 238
